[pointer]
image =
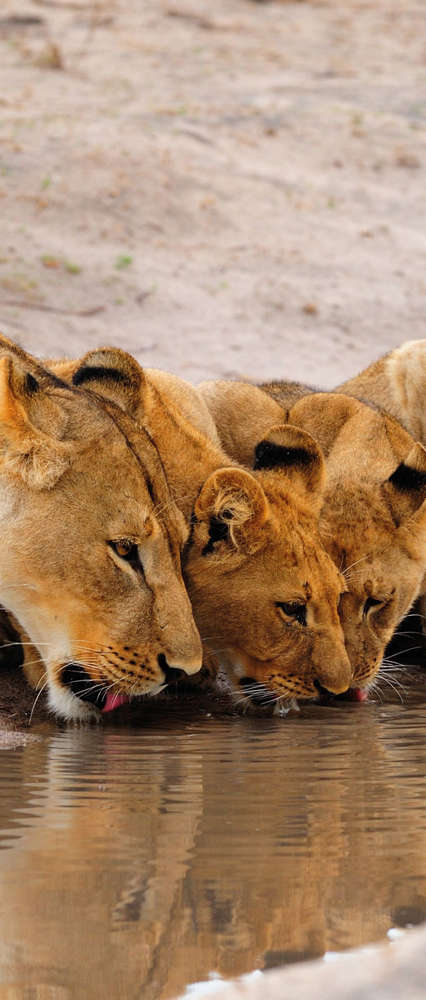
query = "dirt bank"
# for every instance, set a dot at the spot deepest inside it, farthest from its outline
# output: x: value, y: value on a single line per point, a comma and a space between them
x: 227, y: 189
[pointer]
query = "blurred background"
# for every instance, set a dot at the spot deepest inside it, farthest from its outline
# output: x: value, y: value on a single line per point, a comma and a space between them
x: 224, y: 189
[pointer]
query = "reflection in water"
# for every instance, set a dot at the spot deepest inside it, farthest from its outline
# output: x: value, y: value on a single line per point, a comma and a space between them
x: 143, y: 859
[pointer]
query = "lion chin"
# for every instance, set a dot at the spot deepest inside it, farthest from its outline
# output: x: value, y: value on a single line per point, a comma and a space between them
x: 66, y: 705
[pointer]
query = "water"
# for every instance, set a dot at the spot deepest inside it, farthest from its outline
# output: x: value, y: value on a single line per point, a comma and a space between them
x: 135, y: 861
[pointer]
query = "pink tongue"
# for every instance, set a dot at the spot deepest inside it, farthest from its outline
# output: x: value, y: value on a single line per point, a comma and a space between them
x: 114, y: 701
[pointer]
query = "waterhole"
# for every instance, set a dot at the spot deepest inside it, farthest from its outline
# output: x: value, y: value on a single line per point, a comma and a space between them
x: 137, y: 860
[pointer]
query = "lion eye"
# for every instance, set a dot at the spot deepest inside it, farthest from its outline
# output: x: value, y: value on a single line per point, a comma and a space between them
x: 128, y: 551
x: 370, y: 603
x: 294, y: 610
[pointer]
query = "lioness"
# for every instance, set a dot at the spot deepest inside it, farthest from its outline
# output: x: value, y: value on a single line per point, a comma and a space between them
x: 91, y: 542
x: 373, y: 520
x: 264, y: 592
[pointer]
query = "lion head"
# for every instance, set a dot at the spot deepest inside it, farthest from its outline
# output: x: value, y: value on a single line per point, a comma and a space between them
x: 91, y: 542
x: 265, y: 593
x: 381, y: 549
x: 373, y: 520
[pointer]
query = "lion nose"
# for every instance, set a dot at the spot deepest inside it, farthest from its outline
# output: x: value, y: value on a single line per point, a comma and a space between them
x: 331, y: 665
x: 333, y: 685
x: 182, y: 661
x: 325, y: 693
x: 171, y: 674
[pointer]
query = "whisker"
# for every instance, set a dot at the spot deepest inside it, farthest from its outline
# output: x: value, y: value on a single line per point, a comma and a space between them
x: 6, y: 645
x: 31, y: 663
x: 357, y: 561
x: 387, y: 680
x: 374, y: 688
x: 403, y: 632
x: 394, y: 670
x: 37, y: 698
x: 411, y: 649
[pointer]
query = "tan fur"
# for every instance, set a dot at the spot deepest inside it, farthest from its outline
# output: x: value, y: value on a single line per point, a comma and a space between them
x: 177, y: 392
x: 397, y: 383
x: 242, y: 414
x: 375, y: 534
x: 76, y: 476
x: 267, y: 552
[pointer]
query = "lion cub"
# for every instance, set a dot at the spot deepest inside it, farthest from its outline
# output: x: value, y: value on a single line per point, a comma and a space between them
x: 373, y: 519
x: 91, y: 543
x: 264, y: 592
x: 397, y: 383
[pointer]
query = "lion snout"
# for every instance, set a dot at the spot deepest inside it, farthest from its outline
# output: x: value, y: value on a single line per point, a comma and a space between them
x: 332, y: 668
x: 184, y: 655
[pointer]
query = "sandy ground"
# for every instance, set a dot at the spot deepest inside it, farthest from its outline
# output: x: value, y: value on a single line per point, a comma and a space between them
x: 227, y: 188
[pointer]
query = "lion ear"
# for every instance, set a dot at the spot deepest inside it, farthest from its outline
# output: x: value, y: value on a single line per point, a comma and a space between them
x: 324, y: 414
x: 406, y: 487
x: 115, y: 375
x: 295, y: 453
x: 232, y: 509
x: 31, y: 423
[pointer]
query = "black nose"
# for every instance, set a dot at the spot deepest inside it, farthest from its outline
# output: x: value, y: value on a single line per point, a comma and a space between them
x: 84, y: 687
x: 171, y: 674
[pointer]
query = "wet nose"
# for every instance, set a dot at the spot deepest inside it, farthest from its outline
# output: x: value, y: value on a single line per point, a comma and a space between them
x: 171, y: 674
x: 182, y: 660
x: 324, y: 692
x: 332, y: 686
